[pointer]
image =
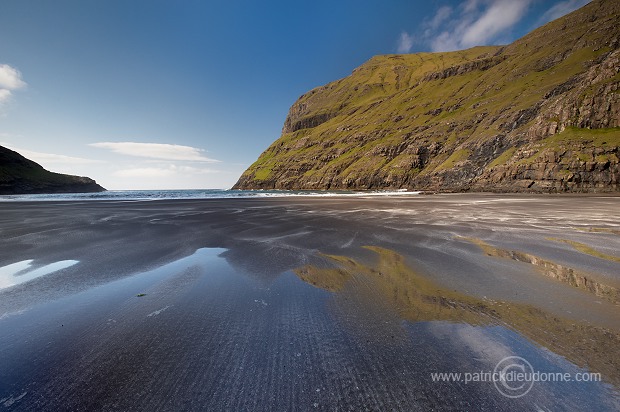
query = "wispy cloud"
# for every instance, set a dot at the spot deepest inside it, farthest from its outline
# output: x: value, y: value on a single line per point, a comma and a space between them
x: 156, y: 151
x: 50, y: 158
x: 406, y: 40
x: 4, y: 95
x: 498, y: 17
x: 442, y: 15
x: 405, y: 43
x: 144, y: 172
x: 560, y: 9
x: 473, y: 23
x: 10, y: 79
x: 163, y: 171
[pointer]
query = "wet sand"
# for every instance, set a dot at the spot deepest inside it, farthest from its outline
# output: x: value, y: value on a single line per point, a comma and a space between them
x: 308, y: 303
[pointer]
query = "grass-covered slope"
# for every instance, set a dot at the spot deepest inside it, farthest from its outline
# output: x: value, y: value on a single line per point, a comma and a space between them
x: 541, y: 114
x: 19, y: 175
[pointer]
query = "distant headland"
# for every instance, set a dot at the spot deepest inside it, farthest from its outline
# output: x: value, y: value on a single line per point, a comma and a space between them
x: 19, y: 175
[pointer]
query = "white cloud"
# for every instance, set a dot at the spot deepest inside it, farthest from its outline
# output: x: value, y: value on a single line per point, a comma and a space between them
x: 196, y: 170
x: 405, y: 43
x: 156, y: 151
x: 500, y: 16
x: 50, y: 158
x: 144, y: 172
x: 470, y: 5
x: 5, y: 95
x: 560, y: 9
x: 10, y: 79
x: 444, y: 42
x: 441, y: 16
x: 162, y: 171
x: 473, y: 23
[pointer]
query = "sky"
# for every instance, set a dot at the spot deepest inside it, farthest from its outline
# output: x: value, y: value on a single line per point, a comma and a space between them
x: 169, y: 94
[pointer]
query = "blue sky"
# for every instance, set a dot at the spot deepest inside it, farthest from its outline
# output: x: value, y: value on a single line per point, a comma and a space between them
x: 163, y: 94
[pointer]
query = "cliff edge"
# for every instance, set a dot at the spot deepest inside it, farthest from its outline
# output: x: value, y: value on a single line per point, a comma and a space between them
x: 541, y: 114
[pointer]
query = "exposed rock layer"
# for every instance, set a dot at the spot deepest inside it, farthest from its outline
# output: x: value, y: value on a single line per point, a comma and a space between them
x: 541, y: 114
x: 19, y: 175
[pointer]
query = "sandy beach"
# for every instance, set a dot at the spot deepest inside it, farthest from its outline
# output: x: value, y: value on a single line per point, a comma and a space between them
x: 332, y: 303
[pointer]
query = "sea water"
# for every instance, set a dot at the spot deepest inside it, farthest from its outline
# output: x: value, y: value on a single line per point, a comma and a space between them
x: 193, y: 194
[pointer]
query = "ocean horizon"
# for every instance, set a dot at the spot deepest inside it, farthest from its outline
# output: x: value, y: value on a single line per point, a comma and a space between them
x: 139, y: 195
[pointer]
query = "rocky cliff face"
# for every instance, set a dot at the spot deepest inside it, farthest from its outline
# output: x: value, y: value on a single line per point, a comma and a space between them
x: 19, y: 175
x: 541, y: 114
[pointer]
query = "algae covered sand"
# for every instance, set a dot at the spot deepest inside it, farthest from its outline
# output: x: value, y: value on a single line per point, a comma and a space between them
x: 301, y: 303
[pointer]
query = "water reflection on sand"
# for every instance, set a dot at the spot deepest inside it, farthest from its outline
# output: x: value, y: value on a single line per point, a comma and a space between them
x: 417, y: 298
x: 27, y: 270
x: 368, y: 334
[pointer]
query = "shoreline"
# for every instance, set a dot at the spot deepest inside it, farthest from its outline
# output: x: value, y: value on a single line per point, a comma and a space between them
x: 206, y: 194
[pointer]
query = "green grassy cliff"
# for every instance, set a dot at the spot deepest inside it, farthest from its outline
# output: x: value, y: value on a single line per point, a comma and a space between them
x: 19, y: 175
x: 541, y: 114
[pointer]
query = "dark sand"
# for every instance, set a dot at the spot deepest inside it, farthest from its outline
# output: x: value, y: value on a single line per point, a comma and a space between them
x: 279, y: 304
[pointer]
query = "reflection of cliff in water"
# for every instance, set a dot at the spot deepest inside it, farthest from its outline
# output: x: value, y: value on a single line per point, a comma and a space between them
x: 417, y: 298
x: 554, y: 270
